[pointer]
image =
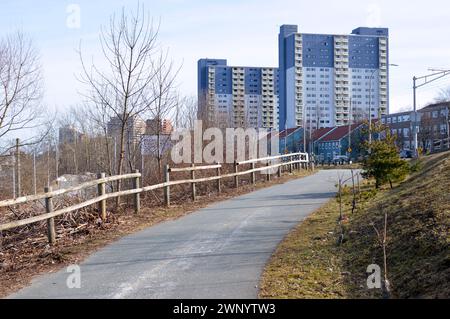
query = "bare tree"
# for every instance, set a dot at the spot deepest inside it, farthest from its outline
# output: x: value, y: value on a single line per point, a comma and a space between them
x: 382, y: 241
x: 186, y: 112
x: 20, y: 85
x: 443, y: 95
x: 128, y: 46
x: 164, y: 101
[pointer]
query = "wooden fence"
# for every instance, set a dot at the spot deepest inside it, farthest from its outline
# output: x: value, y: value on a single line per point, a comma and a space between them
x: 289, y: 161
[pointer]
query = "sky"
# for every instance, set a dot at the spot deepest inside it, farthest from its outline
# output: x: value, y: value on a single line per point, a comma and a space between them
x: 243, y: 32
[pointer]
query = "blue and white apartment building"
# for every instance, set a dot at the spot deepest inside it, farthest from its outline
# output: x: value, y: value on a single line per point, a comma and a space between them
x: 328, y: 80
x: 322, y: 80
x: 235, y: 96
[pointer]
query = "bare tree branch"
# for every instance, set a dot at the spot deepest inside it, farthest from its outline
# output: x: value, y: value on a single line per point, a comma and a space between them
x: 20, y: 85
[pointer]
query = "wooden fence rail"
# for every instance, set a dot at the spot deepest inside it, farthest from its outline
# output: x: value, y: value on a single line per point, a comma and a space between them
x: 298, y: 160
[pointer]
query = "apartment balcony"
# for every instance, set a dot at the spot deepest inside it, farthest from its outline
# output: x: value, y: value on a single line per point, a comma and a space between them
x: 341, y: 71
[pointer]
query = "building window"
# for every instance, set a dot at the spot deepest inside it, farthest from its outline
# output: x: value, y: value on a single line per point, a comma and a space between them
x: 406, y: 132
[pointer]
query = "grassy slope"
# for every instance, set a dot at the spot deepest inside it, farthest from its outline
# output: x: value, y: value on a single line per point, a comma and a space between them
x: 309, y: 264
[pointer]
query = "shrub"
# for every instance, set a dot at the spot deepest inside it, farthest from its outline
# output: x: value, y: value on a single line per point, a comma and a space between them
x: 383, y: 161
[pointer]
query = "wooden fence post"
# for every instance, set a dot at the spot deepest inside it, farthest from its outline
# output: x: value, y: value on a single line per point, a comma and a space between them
x: 279, y: 170
x: 268, y: 171
x: 51, y: 233
x: 219, y: 189
x: 137, y: 198
x: 236, y: 178
x: 167, y: 188
x: 253, y: 175
x: 101, y: 190
x: 193, y: 184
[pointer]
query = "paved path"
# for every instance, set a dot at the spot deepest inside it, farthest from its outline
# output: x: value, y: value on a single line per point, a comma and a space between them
x: 216, y: 252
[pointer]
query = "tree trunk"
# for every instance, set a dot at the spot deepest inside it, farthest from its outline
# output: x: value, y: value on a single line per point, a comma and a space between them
x: 158, y: 141
x: 121, y: 159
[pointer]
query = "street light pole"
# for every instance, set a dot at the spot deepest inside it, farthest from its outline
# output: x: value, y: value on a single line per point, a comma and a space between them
x: 415, y: 117
x: 436, y: 75
x: 370, y: 106
x: 304, y: 129
x: 350, y: 129
x: 448, y: 127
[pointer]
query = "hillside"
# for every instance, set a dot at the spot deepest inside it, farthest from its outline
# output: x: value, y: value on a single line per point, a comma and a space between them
x: 309, y: 263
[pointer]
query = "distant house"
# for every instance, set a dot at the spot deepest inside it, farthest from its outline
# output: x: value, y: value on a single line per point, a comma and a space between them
x: 400, y: 124
x: 291, y: 140
x: 432, y: 124
x: 341, y: 140
x: 316, y: 136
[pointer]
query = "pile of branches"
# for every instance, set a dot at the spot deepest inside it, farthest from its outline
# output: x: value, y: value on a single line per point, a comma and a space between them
x: 19, y: 245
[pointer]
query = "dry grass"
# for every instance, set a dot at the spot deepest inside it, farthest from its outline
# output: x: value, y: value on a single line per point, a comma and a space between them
x: 309, y: 263
x: 305, y: 265
x: 20, y: 262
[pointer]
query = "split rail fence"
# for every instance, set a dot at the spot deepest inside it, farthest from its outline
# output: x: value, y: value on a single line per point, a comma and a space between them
x: 274, y: 165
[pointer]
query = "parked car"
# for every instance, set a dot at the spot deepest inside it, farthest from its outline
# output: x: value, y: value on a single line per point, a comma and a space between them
x: 340, y: 159
x: 406, y: 154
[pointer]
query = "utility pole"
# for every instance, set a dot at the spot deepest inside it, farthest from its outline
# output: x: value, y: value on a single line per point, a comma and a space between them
x: 310, y: 133
x: 34, y: 173
x: 48, y: 164
x: 142, y: 165
x: 370, y: 106
x: 448, y: 127
x: 350, y: 129
x: 18, y: 180
x: 14, y: 181
x: 414, y: 128
x: 436, y: 75
x: 115, y: 155
x: 56, y: 159
x: 317, y: 127
x: 304, y: 129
